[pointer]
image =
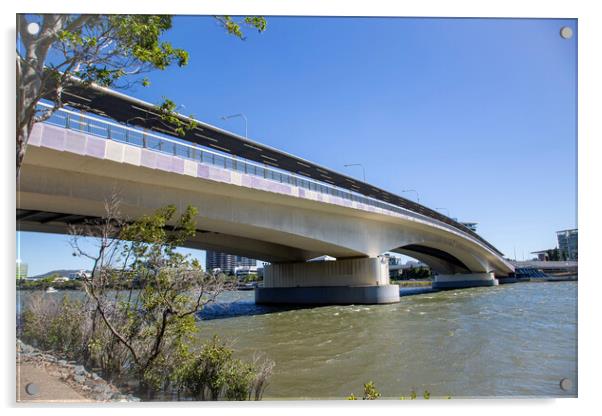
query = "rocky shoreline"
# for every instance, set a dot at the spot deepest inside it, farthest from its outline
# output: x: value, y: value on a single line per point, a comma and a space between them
x: 87, y: 384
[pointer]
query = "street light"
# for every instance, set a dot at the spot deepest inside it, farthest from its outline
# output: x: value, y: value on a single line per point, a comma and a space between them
x: 413, y: 190
x: 238, y: 115
x: 358, y: 164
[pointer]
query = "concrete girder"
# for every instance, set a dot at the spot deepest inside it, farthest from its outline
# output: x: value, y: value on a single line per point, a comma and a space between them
x: 255, y: 249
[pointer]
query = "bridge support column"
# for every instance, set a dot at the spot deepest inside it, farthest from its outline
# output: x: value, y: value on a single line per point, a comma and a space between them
x: 340, y: 282
x: 456, y: 281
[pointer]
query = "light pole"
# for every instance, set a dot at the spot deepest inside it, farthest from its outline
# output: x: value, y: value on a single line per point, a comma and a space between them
x: 358, y: 164
x: 413, y: 190
x: 238, y: 115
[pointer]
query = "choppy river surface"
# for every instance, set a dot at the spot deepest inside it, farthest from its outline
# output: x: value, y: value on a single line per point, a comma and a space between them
x: 510, y: 340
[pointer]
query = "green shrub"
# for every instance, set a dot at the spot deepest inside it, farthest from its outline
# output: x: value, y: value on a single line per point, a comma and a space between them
x: 214, y: 374
x: 370, y: 392
x: 60, y: 327
x: 146, y: 331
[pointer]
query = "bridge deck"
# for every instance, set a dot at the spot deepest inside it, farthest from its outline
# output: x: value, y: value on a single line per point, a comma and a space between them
x: 278, y: 164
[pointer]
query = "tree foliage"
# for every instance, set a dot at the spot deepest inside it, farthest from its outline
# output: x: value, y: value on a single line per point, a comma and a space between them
x: 556, y: 254
x: 151, y: 328
x: 156, y: 320
x: 108, y: 50
x: 416, y: 273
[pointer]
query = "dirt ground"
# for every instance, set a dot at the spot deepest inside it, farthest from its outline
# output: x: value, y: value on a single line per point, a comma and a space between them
x: 49, y: 387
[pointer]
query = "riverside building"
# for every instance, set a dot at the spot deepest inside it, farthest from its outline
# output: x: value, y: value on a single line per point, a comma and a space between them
x: 227, y: 263
x: 568, y: 243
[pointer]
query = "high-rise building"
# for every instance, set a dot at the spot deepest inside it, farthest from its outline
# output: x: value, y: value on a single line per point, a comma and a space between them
x: 567, y: 244
x: 245, y: 262
x: 393, y: 260
x: 227, y: 263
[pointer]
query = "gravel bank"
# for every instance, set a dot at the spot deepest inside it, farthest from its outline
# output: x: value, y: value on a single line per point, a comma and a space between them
x: 85, y: 383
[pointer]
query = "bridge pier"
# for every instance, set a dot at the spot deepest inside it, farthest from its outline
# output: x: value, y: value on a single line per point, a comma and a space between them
x: 340, y: 282
x: 457, y: 281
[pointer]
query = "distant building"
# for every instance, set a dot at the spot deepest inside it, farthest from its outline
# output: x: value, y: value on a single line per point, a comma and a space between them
x: 472, y: 226
x: 226, y: 263
x: 243, y: 271
x: 567, y: 248
x: 567, y: 243
x: 412, y: 264
x: 21, y: 270
x: 79, y: 275
x: 542, y: 255
x: 394, y: 265
x: 393, y: 260
x: 548, y: 267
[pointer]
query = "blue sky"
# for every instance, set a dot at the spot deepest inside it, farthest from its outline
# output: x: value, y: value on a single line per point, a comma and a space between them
x: 477, y: 115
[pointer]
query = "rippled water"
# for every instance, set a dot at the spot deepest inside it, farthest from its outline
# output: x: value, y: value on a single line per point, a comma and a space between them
x: 517, y: 339
x: 510, y: 340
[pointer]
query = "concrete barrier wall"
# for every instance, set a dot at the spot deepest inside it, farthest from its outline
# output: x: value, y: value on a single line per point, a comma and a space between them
x: 349, y: 272
x: 457, y: 281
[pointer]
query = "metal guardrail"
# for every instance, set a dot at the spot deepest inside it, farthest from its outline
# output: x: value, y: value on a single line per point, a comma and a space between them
x: 120, y: 133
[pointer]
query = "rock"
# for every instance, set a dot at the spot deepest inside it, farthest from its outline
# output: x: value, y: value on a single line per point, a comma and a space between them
x: 27, y: 349
x: 95, y: 376
x: 80, y: 370
x: 103, y: 392
x: 78, y: 378
x: 117, y: 397
x: 101, y: 388
x: 49, y: 358
x: 62, y: 362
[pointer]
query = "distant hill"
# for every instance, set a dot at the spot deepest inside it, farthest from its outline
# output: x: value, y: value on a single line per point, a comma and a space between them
x: 61, y: 272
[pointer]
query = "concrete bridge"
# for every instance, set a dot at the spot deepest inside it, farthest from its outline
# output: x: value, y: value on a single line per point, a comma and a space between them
x: 75, y: 160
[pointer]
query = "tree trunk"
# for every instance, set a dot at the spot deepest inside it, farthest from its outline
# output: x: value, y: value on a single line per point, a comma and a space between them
x: 29, y: 88
x: 22, y: 139
x: 30, y: 76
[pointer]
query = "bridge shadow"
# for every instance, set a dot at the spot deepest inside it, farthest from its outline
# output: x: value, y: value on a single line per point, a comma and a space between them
x: 224, y: 310
x: 248, y: 307
x: 411, y: 291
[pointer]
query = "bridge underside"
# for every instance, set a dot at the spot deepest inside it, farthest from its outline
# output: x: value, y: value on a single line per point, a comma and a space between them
x: 321, y: 286
x: 438, y: 260
x: 450, y: 272
x: 59, y: 223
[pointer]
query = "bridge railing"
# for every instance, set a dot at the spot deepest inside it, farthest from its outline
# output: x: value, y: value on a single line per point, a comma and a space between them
x: 106, y: 129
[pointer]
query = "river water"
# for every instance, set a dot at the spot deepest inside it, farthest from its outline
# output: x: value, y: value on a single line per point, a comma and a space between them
x: 511, y: 340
